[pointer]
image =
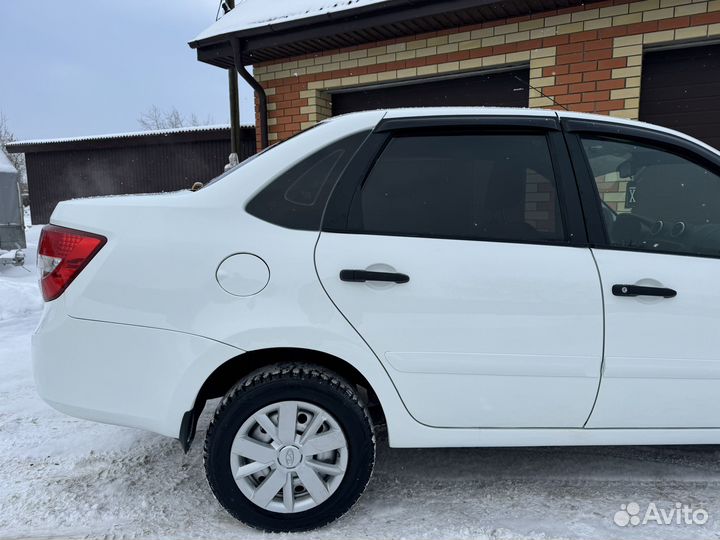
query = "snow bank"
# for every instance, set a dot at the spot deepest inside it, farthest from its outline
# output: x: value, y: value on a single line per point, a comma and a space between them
x: 6, y: 165
x: 19, y: 292
x: 18, y: 299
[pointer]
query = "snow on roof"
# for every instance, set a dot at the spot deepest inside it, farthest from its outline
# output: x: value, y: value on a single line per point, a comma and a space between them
x: 6, y: 165
x: 129, y: 135
x: 259, y: 13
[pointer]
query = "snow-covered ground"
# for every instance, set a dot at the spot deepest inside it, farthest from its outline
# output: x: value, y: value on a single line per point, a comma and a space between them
x: 65, y: 477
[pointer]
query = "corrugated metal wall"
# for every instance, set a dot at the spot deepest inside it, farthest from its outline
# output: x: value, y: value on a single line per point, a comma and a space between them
x: 54, y: 176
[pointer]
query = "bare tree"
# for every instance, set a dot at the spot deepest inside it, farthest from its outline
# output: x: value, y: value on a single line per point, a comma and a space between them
x: 156, y: 118
x: 6, y: 137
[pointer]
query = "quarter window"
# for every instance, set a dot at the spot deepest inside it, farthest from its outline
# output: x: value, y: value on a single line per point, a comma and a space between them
x: 468, y: 186
x: 655, y: 200
x: 297, y: 198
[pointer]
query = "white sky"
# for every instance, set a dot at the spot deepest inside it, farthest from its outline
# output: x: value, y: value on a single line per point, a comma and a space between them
x: 85, y: 67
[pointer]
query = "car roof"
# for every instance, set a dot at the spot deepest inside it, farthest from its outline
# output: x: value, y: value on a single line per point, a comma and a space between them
x: 419, y: 112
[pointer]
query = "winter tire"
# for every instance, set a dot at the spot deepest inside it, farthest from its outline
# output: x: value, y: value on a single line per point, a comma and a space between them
x: 290, y: 448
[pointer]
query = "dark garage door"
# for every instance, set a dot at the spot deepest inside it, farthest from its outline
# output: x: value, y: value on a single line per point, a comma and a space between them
x: 681, y: 90
x: 502, y: 89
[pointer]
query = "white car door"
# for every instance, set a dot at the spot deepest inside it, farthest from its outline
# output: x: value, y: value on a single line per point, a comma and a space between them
x: 658, y: 252
x: 456, y: 263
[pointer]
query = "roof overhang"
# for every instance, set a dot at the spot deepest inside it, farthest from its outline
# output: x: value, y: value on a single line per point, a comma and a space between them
x: 361, y: 25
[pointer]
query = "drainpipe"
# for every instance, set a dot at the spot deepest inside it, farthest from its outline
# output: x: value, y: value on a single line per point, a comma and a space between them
x: 235, y: 148
x: 256, y: 86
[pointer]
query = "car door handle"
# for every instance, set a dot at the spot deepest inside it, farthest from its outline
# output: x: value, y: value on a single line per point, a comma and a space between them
x: 361, y: 276
x: 638, y: 290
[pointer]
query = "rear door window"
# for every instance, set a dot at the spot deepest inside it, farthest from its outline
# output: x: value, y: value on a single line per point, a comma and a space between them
x: 467, y: 186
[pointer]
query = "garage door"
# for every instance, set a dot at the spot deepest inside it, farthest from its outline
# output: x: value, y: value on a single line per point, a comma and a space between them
x: 502, y: 89
x: 681, y: 90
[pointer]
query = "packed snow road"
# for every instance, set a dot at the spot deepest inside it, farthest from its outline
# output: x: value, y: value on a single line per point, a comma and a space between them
x: 65, y: 477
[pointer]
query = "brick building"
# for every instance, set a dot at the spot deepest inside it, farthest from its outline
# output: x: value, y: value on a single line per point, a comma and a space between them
x: 654, y: 60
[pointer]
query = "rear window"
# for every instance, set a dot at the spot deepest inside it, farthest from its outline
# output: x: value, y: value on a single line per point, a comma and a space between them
x: 297, y: 198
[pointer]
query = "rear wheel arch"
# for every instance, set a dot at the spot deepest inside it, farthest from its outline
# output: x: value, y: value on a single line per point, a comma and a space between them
x: 225, y: 376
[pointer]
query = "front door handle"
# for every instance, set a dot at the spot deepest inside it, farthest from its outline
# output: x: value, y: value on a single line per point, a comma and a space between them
x: 638, y: 290
x: 361, y: 276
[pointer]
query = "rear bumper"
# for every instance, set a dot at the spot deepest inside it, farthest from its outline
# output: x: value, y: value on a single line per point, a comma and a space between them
x: 121, y: 374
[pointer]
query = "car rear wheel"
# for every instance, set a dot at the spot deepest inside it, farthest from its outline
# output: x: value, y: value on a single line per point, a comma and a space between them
x: 290, y: 448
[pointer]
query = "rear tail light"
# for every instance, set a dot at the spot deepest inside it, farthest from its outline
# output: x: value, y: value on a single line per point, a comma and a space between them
x: 62, y: 255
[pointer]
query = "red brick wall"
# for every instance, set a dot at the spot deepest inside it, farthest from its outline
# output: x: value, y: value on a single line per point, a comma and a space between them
x: 587, y: 58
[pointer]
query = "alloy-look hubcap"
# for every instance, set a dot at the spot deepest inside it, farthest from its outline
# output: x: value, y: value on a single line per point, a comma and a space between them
x: 289, y: 456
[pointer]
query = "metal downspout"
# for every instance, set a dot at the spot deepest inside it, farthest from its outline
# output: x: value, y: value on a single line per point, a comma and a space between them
x: 256, y: 86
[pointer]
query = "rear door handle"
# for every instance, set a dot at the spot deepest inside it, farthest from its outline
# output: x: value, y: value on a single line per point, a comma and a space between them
x: 361, y: 276
x: 638, y: 290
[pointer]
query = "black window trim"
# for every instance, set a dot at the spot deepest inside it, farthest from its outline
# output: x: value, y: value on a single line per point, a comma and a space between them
x: 345, y: 196
x: 590, y: 197
x: 336, y: 215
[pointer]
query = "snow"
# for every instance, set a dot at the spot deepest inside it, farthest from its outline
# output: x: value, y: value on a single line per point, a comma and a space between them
x: 64, y: 477
x: 6, y: 165
x: 258, y: 13
x: 127, y: 135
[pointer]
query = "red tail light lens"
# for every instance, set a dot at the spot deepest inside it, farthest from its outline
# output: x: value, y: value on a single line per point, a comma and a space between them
x: 62, y: 255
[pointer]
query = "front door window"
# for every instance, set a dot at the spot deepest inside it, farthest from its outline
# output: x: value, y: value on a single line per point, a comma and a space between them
x: 654, y: 200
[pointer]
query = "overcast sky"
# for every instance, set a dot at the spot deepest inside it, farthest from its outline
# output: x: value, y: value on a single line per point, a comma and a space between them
x: 85, y: 67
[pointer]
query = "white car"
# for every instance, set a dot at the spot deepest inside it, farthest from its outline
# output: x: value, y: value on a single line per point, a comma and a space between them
x: 467, y: 277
